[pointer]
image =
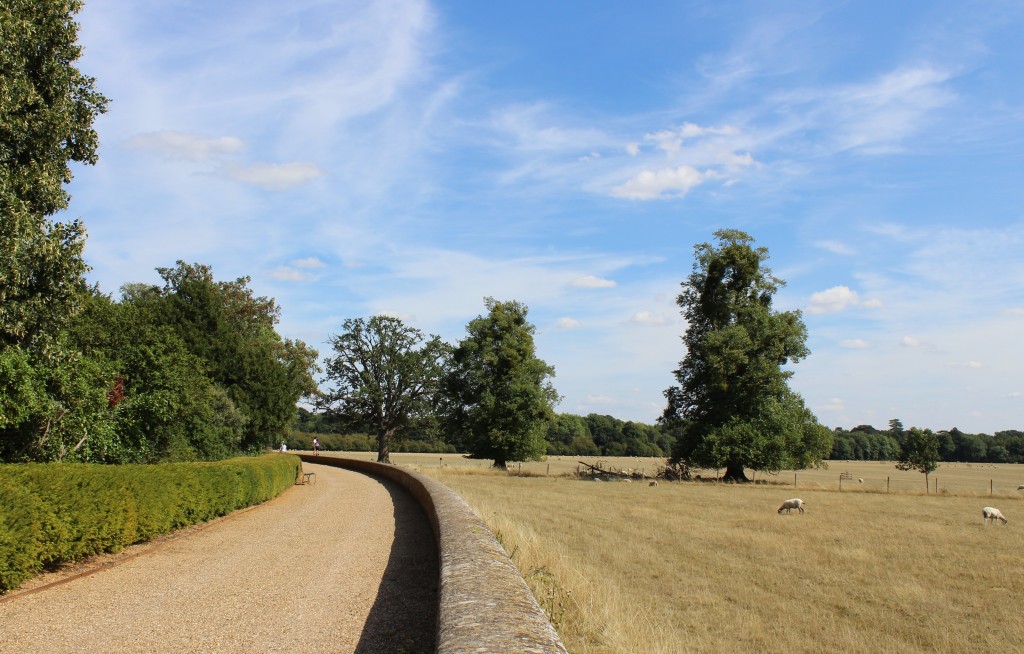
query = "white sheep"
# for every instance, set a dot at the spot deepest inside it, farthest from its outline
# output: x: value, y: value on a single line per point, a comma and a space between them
x: 860, y: 480
x: 1021, y: 487
x: 993, y: 514
x: 795, y: 503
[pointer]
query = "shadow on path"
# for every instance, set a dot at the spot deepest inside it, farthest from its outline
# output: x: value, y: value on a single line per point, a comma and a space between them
x: 403, y: 619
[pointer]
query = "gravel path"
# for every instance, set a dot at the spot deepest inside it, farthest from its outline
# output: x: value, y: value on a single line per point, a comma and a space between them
x: 345, y: 565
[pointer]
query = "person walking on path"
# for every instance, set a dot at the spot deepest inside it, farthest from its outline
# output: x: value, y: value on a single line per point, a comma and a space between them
x: 316, y: 446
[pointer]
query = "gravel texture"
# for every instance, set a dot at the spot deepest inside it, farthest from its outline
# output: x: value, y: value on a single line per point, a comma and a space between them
x: 347, y: 564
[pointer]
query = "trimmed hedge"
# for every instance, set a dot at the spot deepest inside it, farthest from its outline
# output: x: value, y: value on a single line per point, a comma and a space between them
x: 52, y: 513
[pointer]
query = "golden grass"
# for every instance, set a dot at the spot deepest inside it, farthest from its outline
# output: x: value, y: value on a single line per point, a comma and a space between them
x: 711, y: 567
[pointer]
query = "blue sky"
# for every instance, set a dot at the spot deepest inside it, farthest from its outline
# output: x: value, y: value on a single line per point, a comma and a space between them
x: 411, y: 158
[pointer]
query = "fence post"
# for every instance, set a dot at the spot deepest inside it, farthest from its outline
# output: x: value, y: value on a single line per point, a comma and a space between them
x: 936, y: 485
x: 548, y: 473
x: 990, y: 488
x: 840, y: 483
x: 886, y: 485
x: 794, y: 480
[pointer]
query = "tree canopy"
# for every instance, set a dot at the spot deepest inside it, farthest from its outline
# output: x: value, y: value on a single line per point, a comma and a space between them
x: 733, y: 407
x: 385, y: 375
x: 498, y: 397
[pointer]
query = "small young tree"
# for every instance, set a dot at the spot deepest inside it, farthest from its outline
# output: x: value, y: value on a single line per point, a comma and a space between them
x: 386, y: 375
x: 498, y: 400
x: 919, y: 451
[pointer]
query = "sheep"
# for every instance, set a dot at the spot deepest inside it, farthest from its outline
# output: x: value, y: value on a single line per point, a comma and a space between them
x: 653, y: 483
x: 795, y: 503
x: 1021, y: 487
x: 860, y: 480
x: 993, y: 514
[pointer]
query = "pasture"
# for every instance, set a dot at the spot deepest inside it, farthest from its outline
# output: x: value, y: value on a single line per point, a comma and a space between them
x: 702, y: 567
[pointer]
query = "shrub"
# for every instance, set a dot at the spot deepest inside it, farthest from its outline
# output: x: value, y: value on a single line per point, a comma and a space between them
x: 52, y: 513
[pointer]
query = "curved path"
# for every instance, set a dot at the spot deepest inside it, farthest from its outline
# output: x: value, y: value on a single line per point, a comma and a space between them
x: 348, y: 564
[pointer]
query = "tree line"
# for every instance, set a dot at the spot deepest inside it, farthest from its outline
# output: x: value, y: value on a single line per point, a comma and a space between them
x: 566, y: 434
x: 866, y: 443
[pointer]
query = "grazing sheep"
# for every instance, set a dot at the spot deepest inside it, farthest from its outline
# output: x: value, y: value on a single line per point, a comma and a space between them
x: 860, y: 480
x: 1021, y: 487
x: 794, y: 503
x: 993, y: 514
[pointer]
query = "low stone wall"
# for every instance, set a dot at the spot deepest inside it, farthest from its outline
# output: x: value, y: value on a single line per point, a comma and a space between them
x: 485, y: 605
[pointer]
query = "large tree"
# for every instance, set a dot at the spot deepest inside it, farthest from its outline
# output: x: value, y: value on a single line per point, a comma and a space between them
x: 733, y: 407
x: 231, y: 329
x: 499, y: 400
x: 385, y: 375
x: 49, y: 395
x: 47, y: 108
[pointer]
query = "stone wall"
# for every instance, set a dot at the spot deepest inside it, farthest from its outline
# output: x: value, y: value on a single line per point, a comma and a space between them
x: 484, y: 603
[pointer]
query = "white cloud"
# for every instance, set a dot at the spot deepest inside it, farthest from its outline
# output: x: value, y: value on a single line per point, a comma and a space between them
x: 568, y: 323
x: 286, y: 274
x: 275, y: 176
x: 668, y: 182
x: 1013, y: 311
x: 973, y: 365
x: 649, y: 318
x: 835, y: 247
x: 590, y: 281
x: 910, y: 341
x: 1016, y: 394
x: 873, y: 303
x: 836, y: 298
x: 633, y: 149
x: 185, y: 145
x: 854, y: 344
x: 309, y: 262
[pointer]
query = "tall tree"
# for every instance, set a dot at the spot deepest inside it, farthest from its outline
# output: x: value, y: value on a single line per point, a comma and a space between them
x: 733, y: 407
x: 386, y: 374
x: 499, y: 401
x: 232, y: 330
x: 47, y: 108
x: 919, y: 451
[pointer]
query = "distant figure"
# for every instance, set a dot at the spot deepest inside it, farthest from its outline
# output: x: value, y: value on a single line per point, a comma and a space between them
x: 284, y: 446
x: 316, y: 446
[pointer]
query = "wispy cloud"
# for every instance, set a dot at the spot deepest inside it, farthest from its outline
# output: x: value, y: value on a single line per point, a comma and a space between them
x: 854, y: 344
x: 568, y: 323
x: 185, y: 145
x: 275, y: 177
x: 590, y: 281
x: 649, y: 318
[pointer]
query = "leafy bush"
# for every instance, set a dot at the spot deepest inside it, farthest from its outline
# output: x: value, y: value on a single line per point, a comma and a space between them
x: 51, y: 513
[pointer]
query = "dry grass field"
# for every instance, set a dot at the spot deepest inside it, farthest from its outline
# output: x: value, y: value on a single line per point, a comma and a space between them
x: 705, y: 567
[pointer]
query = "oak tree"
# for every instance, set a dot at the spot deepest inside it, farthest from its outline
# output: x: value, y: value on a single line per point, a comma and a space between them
x: 385, y: 375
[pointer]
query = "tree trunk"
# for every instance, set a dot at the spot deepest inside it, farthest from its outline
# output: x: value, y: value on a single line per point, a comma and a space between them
x: 500, y: 464
x: 383, y: 447
x: 926, y: 489
x: 734, y: 473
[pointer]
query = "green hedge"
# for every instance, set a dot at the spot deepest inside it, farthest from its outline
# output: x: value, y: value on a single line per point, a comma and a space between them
x: 51, y: 513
